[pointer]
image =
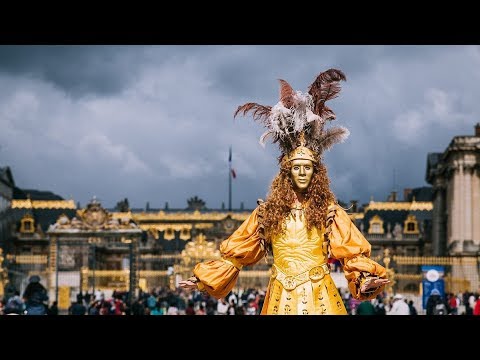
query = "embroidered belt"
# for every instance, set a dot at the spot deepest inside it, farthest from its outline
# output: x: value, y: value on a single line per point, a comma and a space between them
x: 291, y: 282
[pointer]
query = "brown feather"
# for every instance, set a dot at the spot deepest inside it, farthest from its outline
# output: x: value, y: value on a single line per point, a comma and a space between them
x: 260, y: 112
x: 327, y: 92
x: 316, y: 130
x: 326, y: 77
x: 324, y: 88
x: 332, y: 136
x: 286, y: 93
x: 328, y: 114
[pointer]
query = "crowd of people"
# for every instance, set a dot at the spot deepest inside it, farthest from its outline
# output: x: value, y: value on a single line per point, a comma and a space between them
x: 164, y: 301
x: 466, y: 303
x: 159, y: 301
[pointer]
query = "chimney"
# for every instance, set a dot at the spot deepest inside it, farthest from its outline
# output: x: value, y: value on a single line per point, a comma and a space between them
x: 393, y: 196
x: 477, y: 130
x: 406, y: 194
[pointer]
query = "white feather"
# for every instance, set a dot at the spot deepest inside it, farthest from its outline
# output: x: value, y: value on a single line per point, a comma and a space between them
x: 264, y: 137
x: 279, y: 119
x: 346, y: 134
x: 313, y: 117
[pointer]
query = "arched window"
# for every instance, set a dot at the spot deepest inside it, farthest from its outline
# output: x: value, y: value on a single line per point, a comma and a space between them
x: 169, y: 234
x: 411, y: 225
x: 376, y: 225
x: 27, y: 224
x: 185, y: 233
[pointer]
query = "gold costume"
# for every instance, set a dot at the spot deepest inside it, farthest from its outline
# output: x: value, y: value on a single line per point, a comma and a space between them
x: 300, y: 282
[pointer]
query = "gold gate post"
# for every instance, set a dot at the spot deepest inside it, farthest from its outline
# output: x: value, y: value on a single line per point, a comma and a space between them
x: 84, y: 279
x: 390, y: 272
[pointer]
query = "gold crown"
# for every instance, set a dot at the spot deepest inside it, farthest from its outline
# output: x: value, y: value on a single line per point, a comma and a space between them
x: 302, y: 153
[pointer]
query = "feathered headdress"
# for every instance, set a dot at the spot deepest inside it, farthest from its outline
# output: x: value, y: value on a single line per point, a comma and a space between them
x: 298, y: 119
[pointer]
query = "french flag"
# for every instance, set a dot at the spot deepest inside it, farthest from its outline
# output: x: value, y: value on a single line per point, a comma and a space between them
x: 232, y: 171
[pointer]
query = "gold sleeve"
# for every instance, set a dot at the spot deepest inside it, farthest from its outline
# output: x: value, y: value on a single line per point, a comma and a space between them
x: 242, y: 248
x: 348, y: 245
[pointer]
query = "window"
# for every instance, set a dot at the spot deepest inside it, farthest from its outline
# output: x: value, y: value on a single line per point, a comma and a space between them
x: 185, y: 234
x: 27, y: 224
x: 411, y: 225
x: 169, y: 234
x: 376, y: 225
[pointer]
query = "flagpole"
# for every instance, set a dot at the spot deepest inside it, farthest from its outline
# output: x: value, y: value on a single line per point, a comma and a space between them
x: 230, y: 180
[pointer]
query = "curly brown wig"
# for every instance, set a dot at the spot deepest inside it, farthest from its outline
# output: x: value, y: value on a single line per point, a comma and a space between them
x: 282, y: 195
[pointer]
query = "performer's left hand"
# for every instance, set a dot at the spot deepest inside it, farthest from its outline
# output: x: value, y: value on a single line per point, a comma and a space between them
x: 373, y: 283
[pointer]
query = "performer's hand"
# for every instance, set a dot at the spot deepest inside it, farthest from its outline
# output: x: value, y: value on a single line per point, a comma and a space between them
x: 188, y: 284
x: 373, y: 283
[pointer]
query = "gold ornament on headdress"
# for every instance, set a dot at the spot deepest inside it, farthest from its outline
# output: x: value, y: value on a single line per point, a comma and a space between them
x: 297, y: 121
x: 301, y: 152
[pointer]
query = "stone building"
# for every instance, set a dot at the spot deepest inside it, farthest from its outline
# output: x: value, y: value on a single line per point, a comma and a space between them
x: 27, y: 248
x: 6, y: 193
x: 455, y: 177
x: 77, y: 249
x: 7, y: 185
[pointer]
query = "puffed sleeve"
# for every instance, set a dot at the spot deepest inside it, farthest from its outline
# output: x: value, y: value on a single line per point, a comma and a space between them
x: 348, y: 245
x: 242, y: 248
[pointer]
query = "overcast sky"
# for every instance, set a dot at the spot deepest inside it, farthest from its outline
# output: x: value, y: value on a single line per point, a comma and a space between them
x: 154, y: 123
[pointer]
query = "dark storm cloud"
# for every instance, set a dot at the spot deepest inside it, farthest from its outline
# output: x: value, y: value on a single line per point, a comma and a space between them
x: 154, y: 123
x: 77, y: 70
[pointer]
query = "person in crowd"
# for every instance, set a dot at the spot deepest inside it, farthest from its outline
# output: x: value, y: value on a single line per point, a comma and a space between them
x: 35, y: 296
x: 436, y: 304
x: 14, y: 305
x: 53, y: 309
x: 365, y: 308
x: 413, y: 309
x: 222, y: 307
x: 399, y: 306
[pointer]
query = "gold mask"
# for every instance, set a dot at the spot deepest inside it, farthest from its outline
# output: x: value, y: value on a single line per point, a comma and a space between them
x: 301, y: 172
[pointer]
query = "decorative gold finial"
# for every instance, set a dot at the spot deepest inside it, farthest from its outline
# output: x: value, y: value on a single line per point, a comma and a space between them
x: 301, y: 139
x: 200, y: 249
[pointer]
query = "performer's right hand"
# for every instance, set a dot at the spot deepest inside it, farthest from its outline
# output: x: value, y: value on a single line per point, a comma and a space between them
x: 188, y: 284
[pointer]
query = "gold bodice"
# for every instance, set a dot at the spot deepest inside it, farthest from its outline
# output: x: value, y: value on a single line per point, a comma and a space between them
x: 297, y: 250
x: 297, y: 283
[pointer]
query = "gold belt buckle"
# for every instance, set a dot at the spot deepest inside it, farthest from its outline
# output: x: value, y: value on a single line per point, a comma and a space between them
x: 289, y: 283
x: 316, y: 273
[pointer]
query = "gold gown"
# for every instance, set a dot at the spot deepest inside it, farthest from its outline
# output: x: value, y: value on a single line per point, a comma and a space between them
x: 300, y: 282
